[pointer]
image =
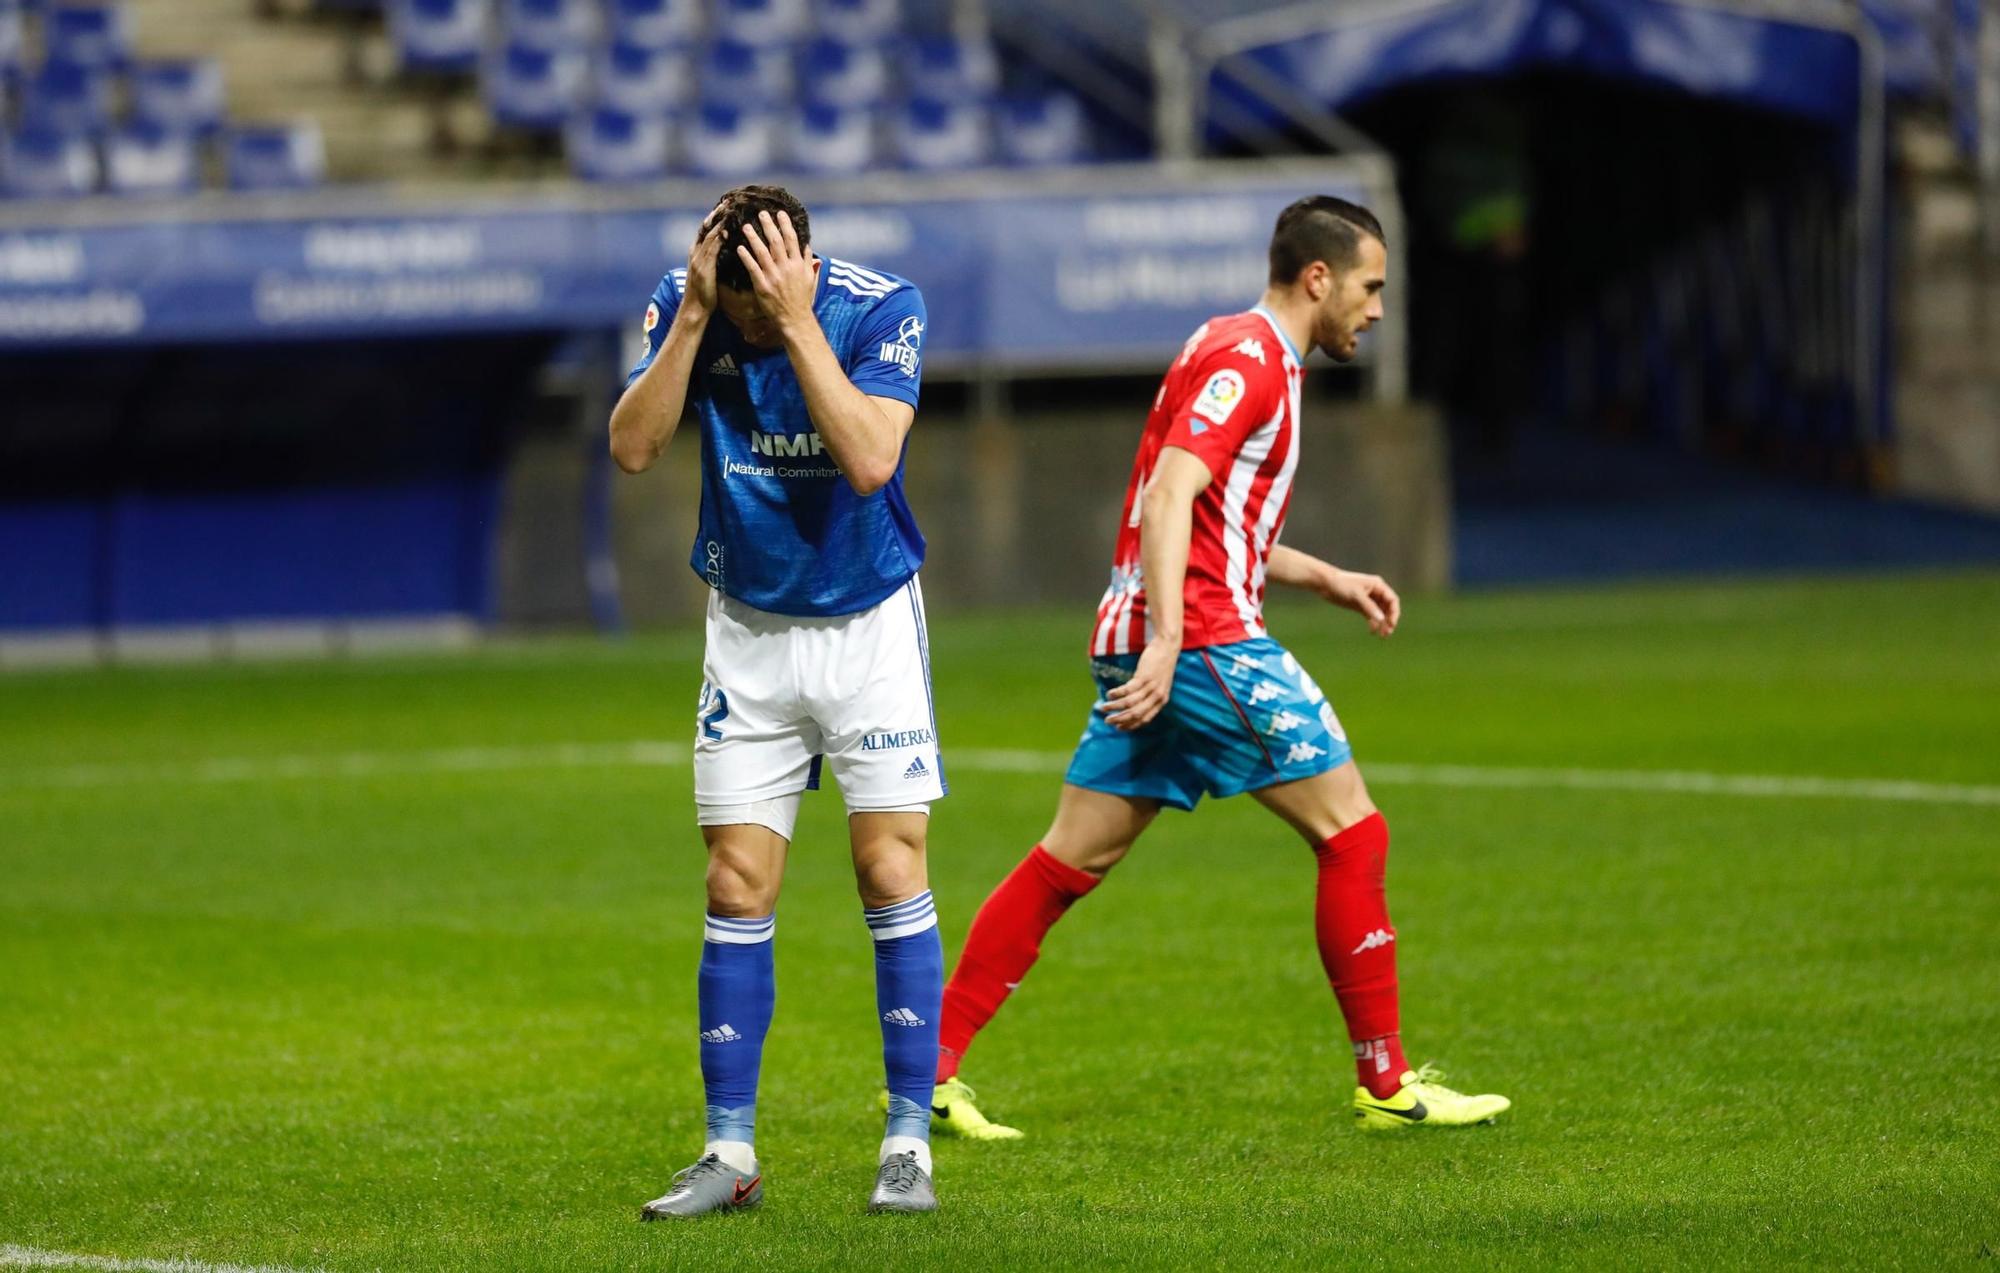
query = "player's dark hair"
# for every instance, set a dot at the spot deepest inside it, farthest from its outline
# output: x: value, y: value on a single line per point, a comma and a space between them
x: 1320, y: 228
x: 740, y: 207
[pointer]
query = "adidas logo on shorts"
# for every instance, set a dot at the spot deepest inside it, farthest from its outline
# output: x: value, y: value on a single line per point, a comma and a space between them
x: 916, y: 770
x: 903, y: 1016
x: 724, y: 1033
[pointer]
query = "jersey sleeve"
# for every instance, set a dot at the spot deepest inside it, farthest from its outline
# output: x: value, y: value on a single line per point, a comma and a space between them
x: 1229, y: 393
x: 887, y: 358
x: 659, y: 316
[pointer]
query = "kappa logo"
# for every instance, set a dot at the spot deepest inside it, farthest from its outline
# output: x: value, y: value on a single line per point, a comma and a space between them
x: 1251, y: 348
x: 724, y: 1033
x: 916, y: 769
x: 1219, y: 396
x: 1303, y: 751
x: 1380, y: 937
x: 1266, y: 691
x: 1241, y: 663
x: 724, y: 366
x: 904, y: 1017
x: 1285, y: 723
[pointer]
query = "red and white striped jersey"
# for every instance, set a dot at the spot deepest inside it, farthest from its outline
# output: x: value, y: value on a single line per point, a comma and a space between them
x: 1232, y: 398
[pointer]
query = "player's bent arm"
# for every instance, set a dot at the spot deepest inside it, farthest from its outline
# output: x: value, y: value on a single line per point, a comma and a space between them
x: 650, y: 409
x: 864, y: 434
x: 1370, y: 596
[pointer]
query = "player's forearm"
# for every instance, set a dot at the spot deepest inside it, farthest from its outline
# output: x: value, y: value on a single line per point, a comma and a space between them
x: 1166, y: 527
x: 864, y: 443
x: 1294, y: 569
x: 649, y: 412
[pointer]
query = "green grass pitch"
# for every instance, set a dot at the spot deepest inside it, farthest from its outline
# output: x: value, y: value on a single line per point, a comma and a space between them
x: 432, y: 1018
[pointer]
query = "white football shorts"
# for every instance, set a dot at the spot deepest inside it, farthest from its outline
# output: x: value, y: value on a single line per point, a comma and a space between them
x: 783, y: 693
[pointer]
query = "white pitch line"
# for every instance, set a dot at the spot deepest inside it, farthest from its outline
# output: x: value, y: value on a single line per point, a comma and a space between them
x: 655, y: 754
x: 27, y: 1257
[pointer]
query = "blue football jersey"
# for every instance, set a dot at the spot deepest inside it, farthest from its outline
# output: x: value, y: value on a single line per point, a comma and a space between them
x: 780, y: 527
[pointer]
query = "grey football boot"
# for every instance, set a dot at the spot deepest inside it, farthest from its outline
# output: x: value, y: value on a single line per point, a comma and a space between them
x: 902, y: 1185
x: 710, y: 1185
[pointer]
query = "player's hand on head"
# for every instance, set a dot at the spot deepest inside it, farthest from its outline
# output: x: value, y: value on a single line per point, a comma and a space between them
x: 781, y: 271
x: 1369, y: 596
x: 702, y: 256
x: 1135, y: 703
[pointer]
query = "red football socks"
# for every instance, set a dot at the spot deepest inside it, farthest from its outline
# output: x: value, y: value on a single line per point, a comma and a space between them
x: 1357, y: 946
x: 1005, y: 940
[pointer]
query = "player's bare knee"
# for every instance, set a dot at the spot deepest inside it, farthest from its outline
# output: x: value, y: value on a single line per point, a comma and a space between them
x: 889, y: 871
x: 739, y: 885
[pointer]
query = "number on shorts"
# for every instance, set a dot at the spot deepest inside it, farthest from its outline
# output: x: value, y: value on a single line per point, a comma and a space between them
x: 712, y: 711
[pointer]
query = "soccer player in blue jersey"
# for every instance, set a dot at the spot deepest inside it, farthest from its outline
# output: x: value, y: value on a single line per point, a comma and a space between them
x: 805, y: 391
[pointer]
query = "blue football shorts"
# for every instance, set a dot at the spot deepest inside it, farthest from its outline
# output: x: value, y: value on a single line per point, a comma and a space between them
x: 1241, y: 717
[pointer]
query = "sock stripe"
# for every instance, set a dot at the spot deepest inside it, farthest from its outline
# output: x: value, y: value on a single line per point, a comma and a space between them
x: 738, y: 932
x: 904, y: 919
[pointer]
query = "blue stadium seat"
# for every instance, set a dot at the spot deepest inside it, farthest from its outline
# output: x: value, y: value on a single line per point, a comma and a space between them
x: 836, y: 73
x: 742, y: 74
x: 527, y: 87
x: 832, y: 140
x: 550, y: 24
x: 858, y: 21
x: 443, y: 36
x: 186, y: 95
x: 13, y: 45
x: 656, y: 24
x: 762, y: 21
x: 147, y: 158
x: 639, y: 80
x: 947, y: 68
x: 69, y: 98
x: 89, y: 35
x: 614, y: 145
x: 936, y: 136
x: 726, y: 140
x: 1043, y: 128
x: 279, y: 157
x: 38, y: 164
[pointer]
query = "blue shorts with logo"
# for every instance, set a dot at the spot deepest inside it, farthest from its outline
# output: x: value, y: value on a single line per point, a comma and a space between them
x: 1241, y: 716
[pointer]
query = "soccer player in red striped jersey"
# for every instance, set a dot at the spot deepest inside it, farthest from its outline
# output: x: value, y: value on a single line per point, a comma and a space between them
x: 1196, y: 698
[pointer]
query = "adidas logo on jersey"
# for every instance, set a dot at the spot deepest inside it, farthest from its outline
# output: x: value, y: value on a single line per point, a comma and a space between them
x: 1380, y: 937
x: 916, y: 769
x: 724, y: 366
x: 903, y: 1016
x: 724, y: 1033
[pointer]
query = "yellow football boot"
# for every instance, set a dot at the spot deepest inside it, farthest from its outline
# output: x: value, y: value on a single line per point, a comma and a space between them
x: 1424, y: 1101
x: 953, y: 1113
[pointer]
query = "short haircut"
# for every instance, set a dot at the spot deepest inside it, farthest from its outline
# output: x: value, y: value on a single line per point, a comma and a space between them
x: 739, y: 207
x: 1320, y: 228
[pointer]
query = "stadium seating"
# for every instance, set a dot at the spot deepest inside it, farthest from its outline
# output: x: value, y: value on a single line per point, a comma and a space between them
x: 832, y: 140
x: 656, y: 24
x: 70, y: 98
x: 762, y: 21
x: 641, y: 80
x: 735, y: 72
x: 837, y: 73
x: 945, y: 68
x: 186, y: 94
x: 95, y: 35
x: 934, y: 136
x: 724, y: 140
x: 284, y: 157
x: 440, y: 36
x: 1042, y: 128
x: 13, y: 46
x: 40, y: 164
x: 858, y: 21
x: 550, y: 24
x: 607, y: 144
x: 534, y: 88
x: 145, y: 158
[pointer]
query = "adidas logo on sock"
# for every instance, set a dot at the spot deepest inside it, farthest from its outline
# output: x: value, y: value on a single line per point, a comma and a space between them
x: 916, y: 769
x: 724, y: 1033
x: 1380, y: 937
x: 724, y: 366
x: 903, y: 1016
